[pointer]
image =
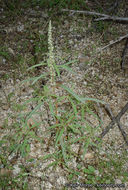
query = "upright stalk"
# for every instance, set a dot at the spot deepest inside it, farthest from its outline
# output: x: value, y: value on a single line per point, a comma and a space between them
x: 51, y: 63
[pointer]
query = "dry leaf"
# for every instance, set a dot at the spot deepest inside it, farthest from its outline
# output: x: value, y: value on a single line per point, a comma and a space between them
x: 5, y: 172
x: 89, y: 156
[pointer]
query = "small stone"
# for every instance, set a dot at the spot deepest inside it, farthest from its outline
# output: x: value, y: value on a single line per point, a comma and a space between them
x: 85, y: 83
x: 83, y: 62
x: 97, y: 172
x: 16, y: 169
x: 118, y: 181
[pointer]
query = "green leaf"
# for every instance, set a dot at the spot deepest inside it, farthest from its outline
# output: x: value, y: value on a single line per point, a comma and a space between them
x: 35, y: 79
x: 31, y: 134
x: 75, y: 130
x: 2, y: 142
x: 91, y: 177
x: 91, y: 168
x: 32, y: 100
x: 73, y: 106
x: 74, y: 140
x: 40, y: 77
x: 59, y: 136
x: 67, y: 69
x: 27, y: 148
x: 73, y: 94
x: 37, y: 65
x: 51, y: 164
x: 71, y: 118
x: 54, y: 126
x: 72, y: 61
x: 72, y: 171
x: 70, y: 176
x: 94, y: 100
x: 82, y: 128
x: 63, y: 150
x: 125, y: 174
x: 87, y: 171
x: 31, y: 160
x: 34, y: 111
x: 51, y: 107
x: 57, y: 69
x: 60, y: 98
x: 29, y: 79
x: 81, y: 99
x: 86, y: 145
x: 47, y: 156
x: 83, y: 113
x: 79, y: 166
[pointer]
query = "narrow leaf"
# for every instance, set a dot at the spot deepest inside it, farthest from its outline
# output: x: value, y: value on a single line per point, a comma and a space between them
x: 74, y: 140
x: 72, y: 61
x: 51, y: 109
x: 59, y: 136
x: 94, y: 100
x: 37, y: 65
x: 34, y: 111
x: 73, y: 94
x: 40, y: 77
x: 67, y: 69
x: 73, y: 106
x: 81, y: 99
x: 57, y: 70
x: 63, y: 150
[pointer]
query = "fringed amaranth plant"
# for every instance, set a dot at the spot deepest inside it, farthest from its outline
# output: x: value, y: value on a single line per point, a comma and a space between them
x: 66, y: 114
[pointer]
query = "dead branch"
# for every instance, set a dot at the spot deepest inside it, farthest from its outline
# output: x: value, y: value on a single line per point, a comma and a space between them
x: 84, y: 12
x: 108, y: 109
x: 113, y: 42
x: 124, y: 63
x: 117, y: 118
x: 123, y: 20
x: 106, y: 17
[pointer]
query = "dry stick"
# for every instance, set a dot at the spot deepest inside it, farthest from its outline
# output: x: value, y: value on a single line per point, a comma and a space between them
x: 114, y: 18
x: 118, y: 123
x: 117, y: 118
x: 124, y: 55
x: 111, y: 43
x: 84, y: 12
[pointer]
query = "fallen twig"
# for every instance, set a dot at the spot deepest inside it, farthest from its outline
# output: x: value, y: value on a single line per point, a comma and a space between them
x: 114, y: 18
x: 108, y: 109
x: 124, y: 63
x: 85, y: 12
x: 106, y: 17
x: 113, y: 42
x: 117, y: 118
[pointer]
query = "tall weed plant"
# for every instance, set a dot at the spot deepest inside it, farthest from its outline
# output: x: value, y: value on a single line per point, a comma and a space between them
x: 66, y: 112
